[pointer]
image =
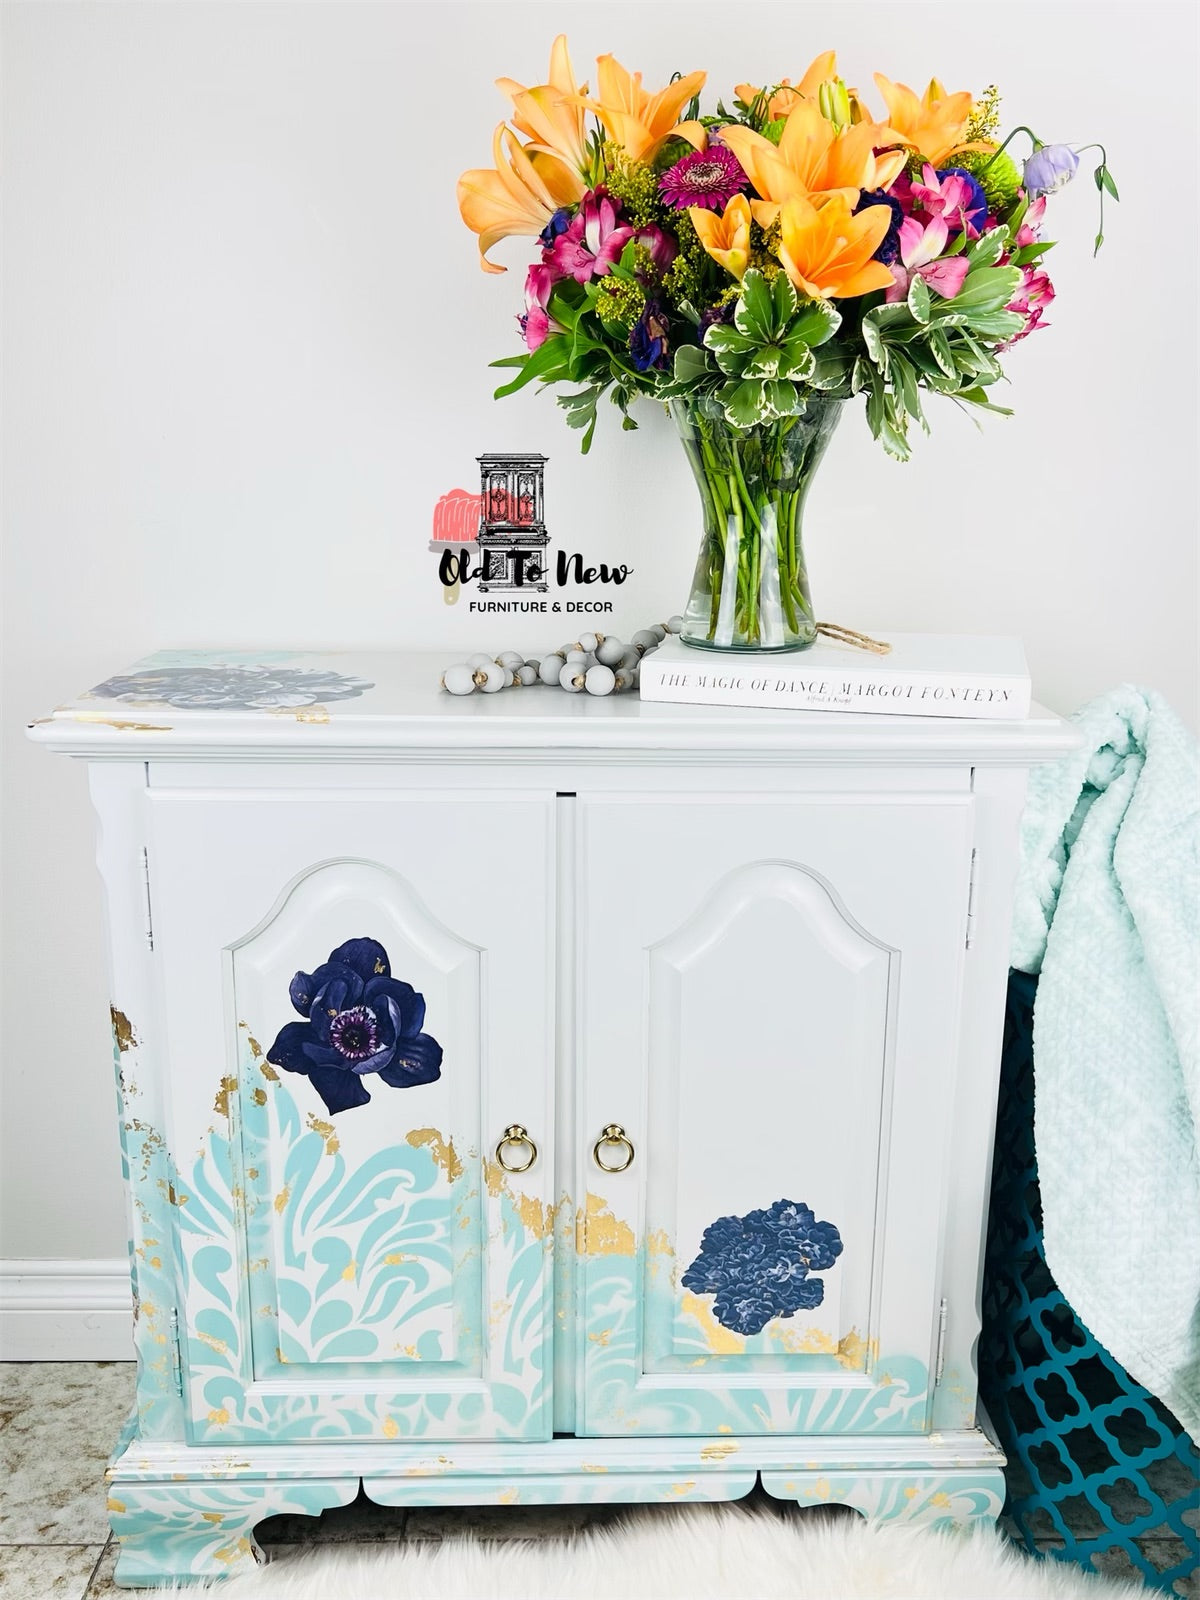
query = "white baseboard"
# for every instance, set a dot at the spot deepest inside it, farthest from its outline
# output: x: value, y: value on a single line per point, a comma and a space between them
x: 65, y: 1311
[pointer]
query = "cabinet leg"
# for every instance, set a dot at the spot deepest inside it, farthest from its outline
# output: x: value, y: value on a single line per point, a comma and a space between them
x: 931, y: 1500
x: 171, y: 1532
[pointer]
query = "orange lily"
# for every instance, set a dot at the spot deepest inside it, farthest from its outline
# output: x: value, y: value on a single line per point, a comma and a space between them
x: 826, y: 250
x: 640, y: 122
x: 518, y: 196
x: 936, y: 124
x: 787, y: 94
x: 550, y: 115
x: 814, y: 158
x: 727, y: 237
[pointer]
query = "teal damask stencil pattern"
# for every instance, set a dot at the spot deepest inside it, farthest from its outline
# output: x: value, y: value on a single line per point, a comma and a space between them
x: 372, y: 1273
x: 205, y: 1530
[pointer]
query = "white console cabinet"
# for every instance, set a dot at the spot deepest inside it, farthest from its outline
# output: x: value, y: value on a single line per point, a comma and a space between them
x: 530, y: 1098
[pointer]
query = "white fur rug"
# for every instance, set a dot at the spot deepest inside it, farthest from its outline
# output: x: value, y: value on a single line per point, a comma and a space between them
x: 720, y: 1552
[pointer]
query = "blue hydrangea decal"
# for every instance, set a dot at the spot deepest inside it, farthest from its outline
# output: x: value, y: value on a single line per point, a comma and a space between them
x: 234, y: 688
x: 361, y: 1020
x: 757, y: 1267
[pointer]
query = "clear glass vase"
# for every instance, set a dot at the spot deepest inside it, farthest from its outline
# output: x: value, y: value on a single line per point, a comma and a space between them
x: 750, y: 591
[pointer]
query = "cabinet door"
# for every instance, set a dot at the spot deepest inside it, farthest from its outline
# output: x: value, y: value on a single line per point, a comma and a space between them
x: 357, y: 1003
x: 768, y: 1014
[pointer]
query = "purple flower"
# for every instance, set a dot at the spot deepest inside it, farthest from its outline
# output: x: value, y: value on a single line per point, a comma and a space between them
x: 662, y: 247
x: 712, y: 316
x: 1049, y: 168
x: 558, y: 223
x: 708, y: 178
x: 360, y: 1020
x: 648, y: 338
x: 889, y: 245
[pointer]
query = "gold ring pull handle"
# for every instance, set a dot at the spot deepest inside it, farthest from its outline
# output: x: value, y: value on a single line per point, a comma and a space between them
x: 614, y: 1133
x: 516, y: 1134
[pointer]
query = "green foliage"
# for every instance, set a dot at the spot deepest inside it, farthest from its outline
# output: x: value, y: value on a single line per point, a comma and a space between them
x: 769, y: 348
x: 997, y: 175
x: 931, y: 343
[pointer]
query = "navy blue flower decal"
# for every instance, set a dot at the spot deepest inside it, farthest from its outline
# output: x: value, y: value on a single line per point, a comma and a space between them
x: 361, y: 1020
x: 231, y: 688
x: 757, y: 1267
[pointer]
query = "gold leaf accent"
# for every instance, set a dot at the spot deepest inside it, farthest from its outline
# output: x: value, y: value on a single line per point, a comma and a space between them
x: 268, y: 1071
x: 442, y: 1150
x: 396, y: 1258
x: 260, y: 1097
x: 721, y: 1341
x: 213, y: 1343
x: 122, y: 1030
x: 281, y: 1199
x: 316, y: 713
x: 219, y: 1418
x: 221, y: 1103
x: 327, y: 1131
x: 508, y: 1497
x: 600, y: 1338
x: 349, y: 1272
x: 604, y: 1234
x: 213, y: 1516
x: 683, y: 1488
x: 591, y: 1466
x: 718, y: 1452
x: 115, y: 1505
x: 114, y: 722
x: 658, y: 1243
x: 390, y: 1428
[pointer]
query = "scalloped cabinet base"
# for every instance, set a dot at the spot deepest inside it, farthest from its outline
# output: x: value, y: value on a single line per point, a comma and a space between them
x: 526, y: 1102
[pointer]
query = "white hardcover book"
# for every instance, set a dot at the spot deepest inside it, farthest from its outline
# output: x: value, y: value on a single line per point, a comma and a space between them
x: 923, y: 675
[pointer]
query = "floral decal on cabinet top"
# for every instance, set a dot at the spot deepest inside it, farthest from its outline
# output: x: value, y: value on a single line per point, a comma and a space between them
x: 758, y: 1266
x: 231, y: 688
x: 360, y: 1020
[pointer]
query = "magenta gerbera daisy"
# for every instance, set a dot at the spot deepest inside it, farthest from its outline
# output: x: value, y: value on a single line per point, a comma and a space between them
x: 708, y: 178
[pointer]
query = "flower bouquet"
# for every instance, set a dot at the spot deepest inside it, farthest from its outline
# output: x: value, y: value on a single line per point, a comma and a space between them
x: 757, y: 269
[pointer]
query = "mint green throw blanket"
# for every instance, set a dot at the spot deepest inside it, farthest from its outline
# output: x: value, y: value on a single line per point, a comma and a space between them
x: 1108, y: 912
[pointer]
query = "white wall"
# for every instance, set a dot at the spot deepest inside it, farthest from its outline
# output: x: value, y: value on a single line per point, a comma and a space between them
x: 245, y: 339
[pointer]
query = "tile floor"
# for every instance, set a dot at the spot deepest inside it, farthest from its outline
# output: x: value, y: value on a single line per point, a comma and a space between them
x: 59, y: 1421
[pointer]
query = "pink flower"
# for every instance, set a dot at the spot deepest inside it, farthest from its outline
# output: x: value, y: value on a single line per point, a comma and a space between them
x: 592, y: 243
x: 662, y: 247
x: 1028, y: 233
x: 536, y: 323
x: 953, y: 195
x: 920, y: 247
x: 1034, y: 296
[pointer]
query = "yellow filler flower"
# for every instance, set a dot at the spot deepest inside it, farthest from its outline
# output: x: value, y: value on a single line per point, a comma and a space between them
x: 936, y: 124
x: 551, y: 115
x: 640, y: 122
x: 727, y: 237
x: 518, y: 196
x: 826, y: 250
x: 813, y: 157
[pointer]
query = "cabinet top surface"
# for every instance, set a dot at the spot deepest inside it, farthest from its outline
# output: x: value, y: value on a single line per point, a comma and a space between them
x: 206, y: 704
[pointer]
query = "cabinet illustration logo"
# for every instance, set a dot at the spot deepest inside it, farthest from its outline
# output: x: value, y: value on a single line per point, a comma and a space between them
x: 497, y: 541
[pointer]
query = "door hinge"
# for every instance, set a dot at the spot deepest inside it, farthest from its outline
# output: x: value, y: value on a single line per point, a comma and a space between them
x: 146, y: 891
x: 939, y: 1361
x: 971, y: 902
x: 176, y: 1354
